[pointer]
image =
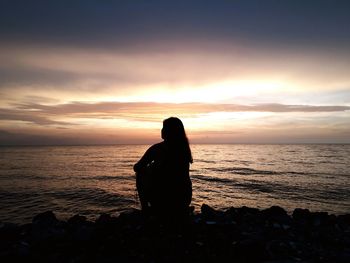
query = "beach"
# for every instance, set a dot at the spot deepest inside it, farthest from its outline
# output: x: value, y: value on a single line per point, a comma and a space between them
x: 265, y: 203
x: 234, y: 235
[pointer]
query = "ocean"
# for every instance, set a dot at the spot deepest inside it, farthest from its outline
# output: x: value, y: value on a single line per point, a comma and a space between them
x: 90, y: 180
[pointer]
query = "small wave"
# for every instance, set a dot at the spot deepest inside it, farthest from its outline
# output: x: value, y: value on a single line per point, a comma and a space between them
x: 331, y: 194
x: 205, y: 161
x: 107, y: 177
x: 243, y: 171
x: 60, y: 178
x: 297, y: 173
x: 212, y: 179
x: 17, y: 196
x: 252, y: 186
x: 90, y: 196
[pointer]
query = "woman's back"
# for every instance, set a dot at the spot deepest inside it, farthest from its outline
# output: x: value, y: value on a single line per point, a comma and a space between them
x: 172, y: 175
x: 166, y: 165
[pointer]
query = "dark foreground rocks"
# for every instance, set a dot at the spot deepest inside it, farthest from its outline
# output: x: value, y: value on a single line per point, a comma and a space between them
x: 235, y: 235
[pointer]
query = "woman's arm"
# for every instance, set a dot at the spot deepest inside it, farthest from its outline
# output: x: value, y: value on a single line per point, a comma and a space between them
x: 146, y: 159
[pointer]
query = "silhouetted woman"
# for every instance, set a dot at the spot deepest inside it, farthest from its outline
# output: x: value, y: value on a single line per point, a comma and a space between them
x: 162, y: 174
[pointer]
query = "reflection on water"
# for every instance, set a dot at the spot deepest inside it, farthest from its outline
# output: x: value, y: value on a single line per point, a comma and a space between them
x: 94, y: 179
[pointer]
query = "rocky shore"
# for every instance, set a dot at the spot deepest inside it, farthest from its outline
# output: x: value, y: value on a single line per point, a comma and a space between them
x: 234, y: 235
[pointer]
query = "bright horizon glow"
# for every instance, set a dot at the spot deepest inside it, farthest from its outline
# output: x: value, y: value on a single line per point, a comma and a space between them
x: 210, y: 93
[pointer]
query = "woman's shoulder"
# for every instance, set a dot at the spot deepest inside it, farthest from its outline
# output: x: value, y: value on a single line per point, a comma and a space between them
x: 157, y: 147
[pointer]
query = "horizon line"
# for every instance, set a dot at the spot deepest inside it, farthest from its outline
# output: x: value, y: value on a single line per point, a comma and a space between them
x: 135, y: 144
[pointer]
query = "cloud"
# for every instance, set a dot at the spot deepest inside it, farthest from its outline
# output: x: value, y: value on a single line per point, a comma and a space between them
x: 27, y: 116
x: 64, y: 68
x: 142, y: 111
x: 139, y: 122
x: 28, y: 76
x: 151, y: 107
x: 294, y: 108
x: 277, y: 75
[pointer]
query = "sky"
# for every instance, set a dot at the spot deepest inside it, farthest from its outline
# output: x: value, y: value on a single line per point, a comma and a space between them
x: 109, y: 72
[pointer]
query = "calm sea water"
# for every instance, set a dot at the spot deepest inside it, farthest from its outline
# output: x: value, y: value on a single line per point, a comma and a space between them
x: 90, y: 180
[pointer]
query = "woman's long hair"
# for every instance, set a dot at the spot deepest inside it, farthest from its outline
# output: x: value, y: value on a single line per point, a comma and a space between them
x: 174, y: 134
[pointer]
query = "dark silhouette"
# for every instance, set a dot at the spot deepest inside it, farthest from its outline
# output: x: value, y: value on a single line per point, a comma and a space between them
x: 162, y: 174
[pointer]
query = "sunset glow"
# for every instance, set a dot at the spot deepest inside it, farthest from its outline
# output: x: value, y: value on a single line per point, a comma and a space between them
x: 229, y: 83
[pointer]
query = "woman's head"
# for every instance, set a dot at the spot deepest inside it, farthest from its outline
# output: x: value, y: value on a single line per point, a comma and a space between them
x: 173, y: 132
x: 173, y: 129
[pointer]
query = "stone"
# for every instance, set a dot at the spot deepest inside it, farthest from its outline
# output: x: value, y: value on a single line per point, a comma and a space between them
x: 209, y: 213
x: 275, y: 212
x: 76, y: 220
x: 46, y: 218
x: 301, y: 216
x: 45, y: 226
x: 209, y: 237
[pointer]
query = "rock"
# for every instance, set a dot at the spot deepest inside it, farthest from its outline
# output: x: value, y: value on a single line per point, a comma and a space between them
x: 46, y: 218
x: 9, y: 233
x: 343, y: 257
x: 212, y: 216
x: 315, y: 219
x: 244, y: 210
x: 251, y: 250
x: 278, y: 249
x: 83, y: 232
x: 320, y: 219
x: 275, y: 213
x: 80, y: 229
x: 302, y: 216
x: 277, y: 218
x: 248, y: 214
x: 76, y: 220
x: 209, y: 213
x: 103, y: 219
x: 236, y: 235
x: 344, y: 222
x: 46, y: 226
